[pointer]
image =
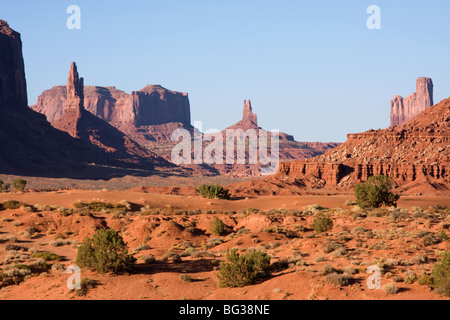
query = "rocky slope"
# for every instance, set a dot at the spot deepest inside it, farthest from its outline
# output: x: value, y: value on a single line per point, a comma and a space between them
x: 415, y: 155
x: 404, y: 109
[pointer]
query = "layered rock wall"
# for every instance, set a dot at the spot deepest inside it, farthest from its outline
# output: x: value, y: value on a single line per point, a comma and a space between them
x: 347, y: 174
x: 153, y: 105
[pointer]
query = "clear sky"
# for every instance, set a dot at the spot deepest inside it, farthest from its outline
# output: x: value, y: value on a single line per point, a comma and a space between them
x: 311, y: 68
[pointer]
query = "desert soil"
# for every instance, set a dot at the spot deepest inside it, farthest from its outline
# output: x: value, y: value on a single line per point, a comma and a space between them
x: 402, y: 241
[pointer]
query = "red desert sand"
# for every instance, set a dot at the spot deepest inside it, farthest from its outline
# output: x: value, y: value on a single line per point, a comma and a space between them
x: 404, y: 242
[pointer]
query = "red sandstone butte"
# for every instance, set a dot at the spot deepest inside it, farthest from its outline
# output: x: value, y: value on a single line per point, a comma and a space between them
x: 150, y: 114
x: 404, y: 109
x: 97, y: 134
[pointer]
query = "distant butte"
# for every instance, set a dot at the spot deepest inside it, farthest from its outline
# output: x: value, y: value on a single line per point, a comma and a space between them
x: 96, y: 133
x: 150, y: 114
x: 404, y: 109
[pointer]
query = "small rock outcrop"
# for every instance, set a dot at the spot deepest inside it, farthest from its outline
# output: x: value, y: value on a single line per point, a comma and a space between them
x: 404, y: 109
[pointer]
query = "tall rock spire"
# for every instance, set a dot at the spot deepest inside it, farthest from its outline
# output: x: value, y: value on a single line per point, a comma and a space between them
x: 75, y: 91
x: 248, y: 115
x: 404, y: 109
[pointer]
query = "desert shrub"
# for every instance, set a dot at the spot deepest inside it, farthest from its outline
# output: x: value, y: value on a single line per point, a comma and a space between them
x: 358, y: 230
x: 98, y: 206
x: 441, y: 274
x: 390, y: 288
x: 105, y: 252
x: 410, y: 277
x: 190, y: 251
x: 60, y: 242
x: 85, y: 285
x: 11, y: 246
x: 327, y: 269
x: 47, y: 256
x: 350, y: 270
x: 339, y: 280
x: 20, y: 184
x: 332, y: 246
x: 4, y: 187
x: 375, y: 192
x: 215, y: 241
x: 213, y: 191
x: 185, y: 277
x: 142, y: 247
x: 172, y: 256
x: 242, y: 231
x: 17, y: 223
x: 429, y: 240
x: 14, y: 274
x: 443, y: 235
x: 420, y: 259
x: 321, y: 223
x: 314, y: 207
x: 12, y: 204
x: 217, y: 227
x: 243, y: 269
x: 194, y: 231
x: 272, y: 229
x: 11, y: 238
x: 57, y: 268
x: 425, y: 280
x: 39, y: 265
x: 149, y: 259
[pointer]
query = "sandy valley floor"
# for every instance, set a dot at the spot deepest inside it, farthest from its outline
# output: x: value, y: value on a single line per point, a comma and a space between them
x: 404, y: 242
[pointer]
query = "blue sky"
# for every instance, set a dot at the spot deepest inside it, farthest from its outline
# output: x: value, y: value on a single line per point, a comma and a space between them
x: 311, y: 68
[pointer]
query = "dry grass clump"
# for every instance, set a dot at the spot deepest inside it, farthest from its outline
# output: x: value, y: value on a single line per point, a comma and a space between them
x: 338, y: 280
x: 390, y: 288
x: 172, y: 256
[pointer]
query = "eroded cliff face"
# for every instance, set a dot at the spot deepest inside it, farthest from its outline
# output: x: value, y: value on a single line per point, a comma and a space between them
x: 404, y: 109
x: 29, y: 144
x: 343, y: 176
x: 416, y: 156
x: 153, y: 105
x: 109, y: 104
x: 98, y: 135
x: 13, y: 87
